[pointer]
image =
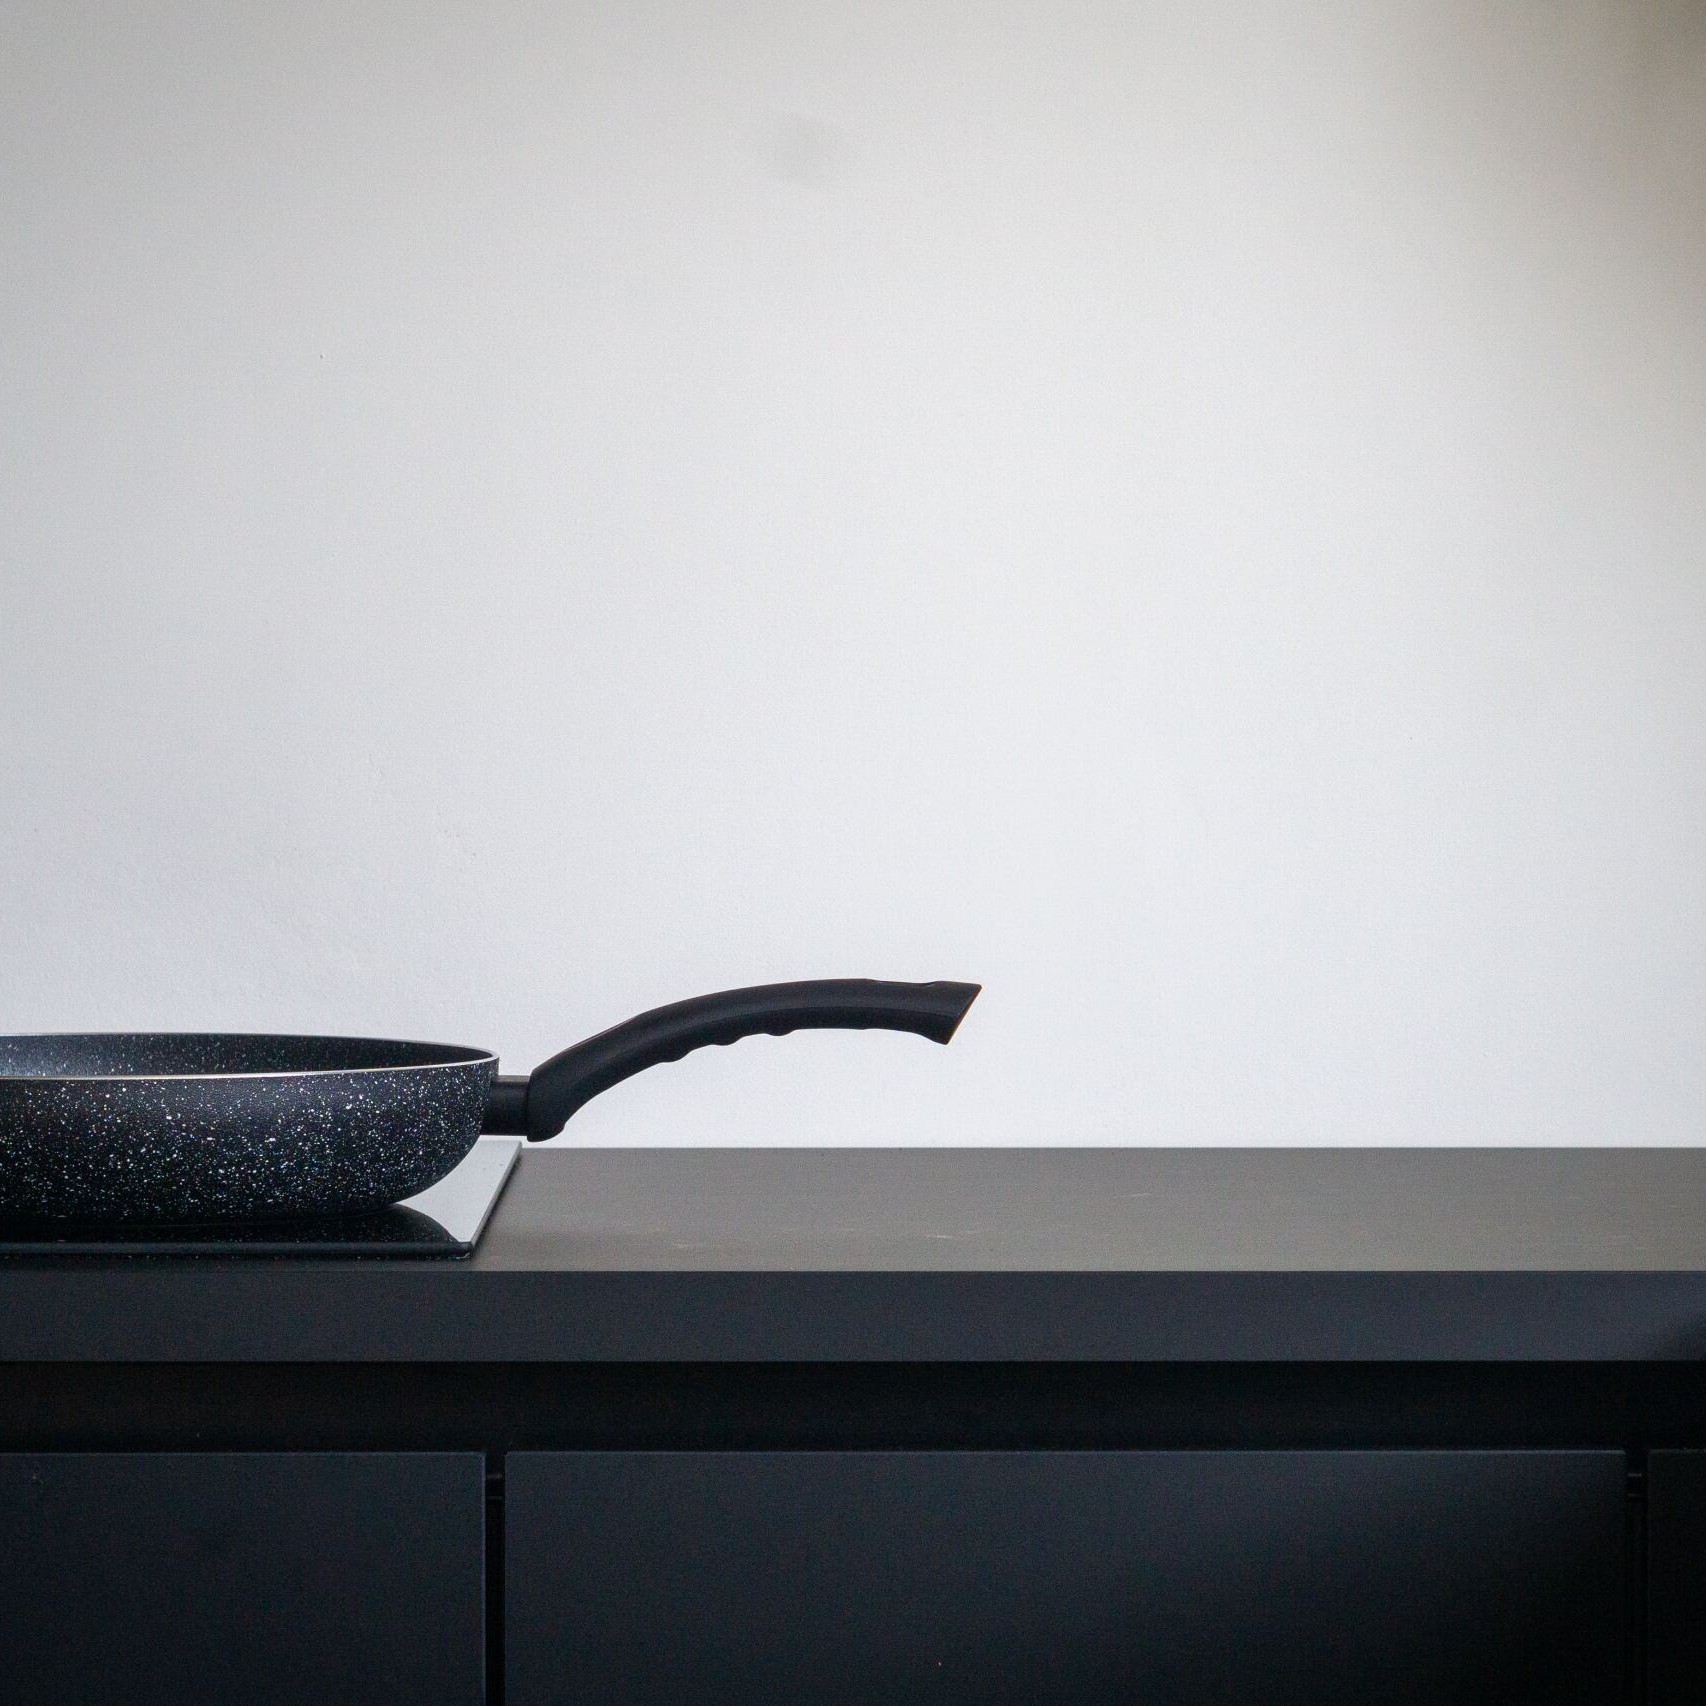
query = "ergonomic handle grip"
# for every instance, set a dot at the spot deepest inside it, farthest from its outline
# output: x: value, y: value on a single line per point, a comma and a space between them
x: 539, y: 1106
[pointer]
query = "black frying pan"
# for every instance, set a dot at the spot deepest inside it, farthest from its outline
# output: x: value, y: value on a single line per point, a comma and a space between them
x: 186, y: 1126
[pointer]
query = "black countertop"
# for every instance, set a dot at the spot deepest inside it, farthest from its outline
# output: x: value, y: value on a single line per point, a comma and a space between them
x: 1126, y: 1255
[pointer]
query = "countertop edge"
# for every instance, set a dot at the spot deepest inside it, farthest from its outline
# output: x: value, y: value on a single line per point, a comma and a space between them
x: 395, y: 1313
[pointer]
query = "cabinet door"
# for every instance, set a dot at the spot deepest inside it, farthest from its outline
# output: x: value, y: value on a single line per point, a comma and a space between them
x: 235, y: 1577
x: 763, y: 1578
x: 1676, y: 1578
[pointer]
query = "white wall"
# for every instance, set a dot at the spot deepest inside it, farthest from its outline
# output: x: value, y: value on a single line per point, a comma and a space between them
x: 1193, y: 514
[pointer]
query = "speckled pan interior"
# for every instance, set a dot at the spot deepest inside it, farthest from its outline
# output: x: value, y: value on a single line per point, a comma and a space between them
x: 146, y: 1054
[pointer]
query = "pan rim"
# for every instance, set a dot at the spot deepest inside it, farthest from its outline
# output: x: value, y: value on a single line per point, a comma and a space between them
x: 464, y: 1056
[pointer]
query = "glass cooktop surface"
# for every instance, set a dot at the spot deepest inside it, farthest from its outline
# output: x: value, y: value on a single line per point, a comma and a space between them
x: 445, y: 1220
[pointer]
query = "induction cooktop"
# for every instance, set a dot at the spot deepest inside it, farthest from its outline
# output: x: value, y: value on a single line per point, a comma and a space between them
x: 445, y: 1221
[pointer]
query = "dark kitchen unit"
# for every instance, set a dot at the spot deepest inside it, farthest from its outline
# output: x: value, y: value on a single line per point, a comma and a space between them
x: 891, y: 1426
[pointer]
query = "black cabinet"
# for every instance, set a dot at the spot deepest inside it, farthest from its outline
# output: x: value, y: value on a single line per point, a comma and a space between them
x: 258, y: 1578
x: 1676, y: 1578
x: 756, y: 1577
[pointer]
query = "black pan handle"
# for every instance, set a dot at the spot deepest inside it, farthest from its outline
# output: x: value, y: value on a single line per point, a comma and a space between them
x: 540, y: 1106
